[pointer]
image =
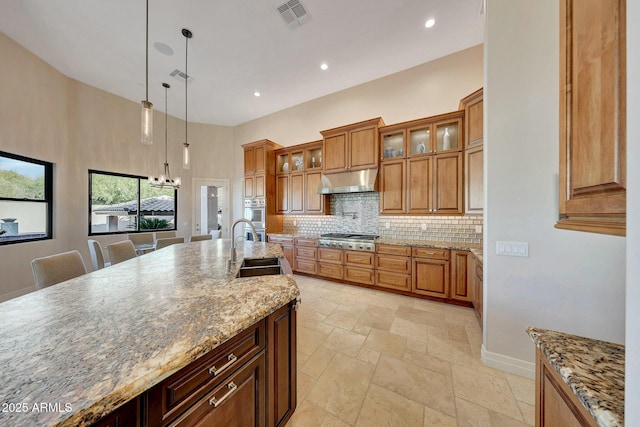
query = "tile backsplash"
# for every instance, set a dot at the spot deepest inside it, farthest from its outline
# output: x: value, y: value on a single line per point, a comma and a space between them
x: 358, y: 213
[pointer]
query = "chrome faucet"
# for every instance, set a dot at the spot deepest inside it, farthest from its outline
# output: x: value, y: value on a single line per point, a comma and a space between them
x: 232, y: 256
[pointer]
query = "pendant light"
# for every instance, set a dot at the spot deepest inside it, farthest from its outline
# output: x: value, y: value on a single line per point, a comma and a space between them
x: 165, y: 180
x: 147, y: 107
x: 186, y: 158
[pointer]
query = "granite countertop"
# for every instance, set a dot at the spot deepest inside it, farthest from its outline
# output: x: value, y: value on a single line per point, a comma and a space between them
x: 593, y: 369
x: 89, y: 344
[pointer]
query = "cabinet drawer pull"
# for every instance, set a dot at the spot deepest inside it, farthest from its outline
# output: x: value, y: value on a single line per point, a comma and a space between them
x: 232, y: 388
x: 357, y: 259
x: 215, y: 371
x: 431, y: 253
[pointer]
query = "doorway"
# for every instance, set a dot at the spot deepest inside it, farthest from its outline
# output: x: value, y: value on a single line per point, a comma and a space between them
x: 210, y: 207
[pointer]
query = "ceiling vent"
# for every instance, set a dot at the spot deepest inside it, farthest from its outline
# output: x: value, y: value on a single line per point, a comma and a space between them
x: 293, y: 13
x: 181, y: 75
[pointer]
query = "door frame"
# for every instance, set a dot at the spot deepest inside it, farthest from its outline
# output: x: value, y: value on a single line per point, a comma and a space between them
x: 195, y: 194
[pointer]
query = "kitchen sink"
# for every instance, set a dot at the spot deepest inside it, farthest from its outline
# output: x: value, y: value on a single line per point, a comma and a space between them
x: 252, y: 267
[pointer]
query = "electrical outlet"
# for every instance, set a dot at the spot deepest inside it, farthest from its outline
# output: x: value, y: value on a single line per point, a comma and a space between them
x: 478, y: 229
x: 387, y: 225
x: 519, y: 249
x: 424, y: 227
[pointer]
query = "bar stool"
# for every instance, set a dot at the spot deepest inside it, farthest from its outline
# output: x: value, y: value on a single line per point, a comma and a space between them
x: 97, y: 255
x: 121, y: 251
x: 164, y: 234
x: 201, y: 237
x: 142, y: 242
x: 54, y: 269
x: 162, y: 243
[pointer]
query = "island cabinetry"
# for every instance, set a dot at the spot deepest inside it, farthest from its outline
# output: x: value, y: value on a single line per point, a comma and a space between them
x: 306, y: 254
x: 351, y: 147
x: 127, y: 415
x: 393, y: 267
x: 288, y: 245
x: 556, y: 404
x: 430, y: 272
x: 282, y: 368
x: 473, y: 153
x: 359, y: 267
x: 192, y: 393
x: 330, y: 263
x: 461, y: 271
x: 593, y: 116
x: 421, y: 166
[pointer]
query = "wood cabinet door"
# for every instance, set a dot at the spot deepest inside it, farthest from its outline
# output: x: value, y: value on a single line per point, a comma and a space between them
x: 447, y: 195
x: 237, y: 402
x: 393, y: 177
x: 260, y: 161
x: 430, y: 277
x: 282, y: 372
x: 473, y: 180
x: 260, y: 185
x: 420, y: 185
x: 473, y: 119
x: 396, y: 264
x: 593, y: 116
x: 249, y: 160
x: 390, y: 280
x: 282, y: 193
x: 126, y: 415
x: 288, y: 251
x: 363, y: 148
x: 335, y: 153
x: 296, y: 193
x: 313, y: 202
x: 461, y: 289
x: 249, y: 187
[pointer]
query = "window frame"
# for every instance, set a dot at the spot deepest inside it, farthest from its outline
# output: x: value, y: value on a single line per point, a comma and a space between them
x: 48, y: 197
x: 140, y: 180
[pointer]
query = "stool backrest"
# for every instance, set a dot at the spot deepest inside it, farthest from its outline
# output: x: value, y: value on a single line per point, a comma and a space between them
x: 121, y: 251
x: 201, y: 237
x: 162, y: 243
x: 54, y: 269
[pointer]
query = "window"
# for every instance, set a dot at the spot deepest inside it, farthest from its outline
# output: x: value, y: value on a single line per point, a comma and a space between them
x: 127, y: 203
x: 26, y: 199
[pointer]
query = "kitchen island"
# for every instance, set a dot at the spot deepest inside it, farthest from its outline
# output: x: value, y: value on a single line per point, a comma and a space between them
x: 74, y: 352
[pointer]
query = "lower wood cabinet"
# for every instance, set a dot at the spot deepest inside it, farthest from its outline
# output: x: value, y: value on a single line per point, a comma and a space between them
x: 461, y: 288
x: 365, y: 276
x: 430, y: 272
x: 287, y: 245
x: 393, y: 267
x: 478, y: 290
x: 556, y: 404
x: 306, y: 254
x: 330, y: 263
x: 249, y: 381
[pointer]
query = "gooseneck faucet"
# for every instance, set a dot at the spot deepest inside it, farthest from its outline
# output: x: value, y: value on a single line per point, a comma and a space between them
x: 232, y: 256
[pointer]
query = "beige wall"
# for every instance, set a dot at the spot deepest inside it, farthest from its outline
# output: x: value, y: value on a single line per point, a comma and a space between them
x: 571, y: 281
x: 47, y: 116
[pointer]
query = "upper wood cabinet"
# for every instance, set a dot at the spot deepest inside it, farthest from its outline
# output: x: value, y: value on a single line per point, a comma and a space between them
x: 593, y: 116
x: 255, y: 158
x: 474, y: 152
x: 351, y: 147
x: 421, y: 166
x: 298, y: 173
x: 259, y: 160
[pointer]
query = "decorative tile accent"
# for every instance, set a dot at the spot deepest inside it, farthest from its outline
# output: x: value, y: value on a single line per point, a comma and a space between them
x: 358, y: 213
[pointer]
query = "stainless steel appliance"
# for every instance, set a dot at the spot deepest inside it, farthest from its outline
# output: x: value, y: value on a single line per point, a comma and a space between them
x: 255, y: 211
x: 248, y: 235
x: 351, y: 241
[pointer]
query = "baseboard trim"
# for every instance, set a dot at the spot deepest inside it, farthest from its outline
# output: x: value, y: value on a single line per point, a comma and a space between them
x: 508, y: 364
x: 15, y: 294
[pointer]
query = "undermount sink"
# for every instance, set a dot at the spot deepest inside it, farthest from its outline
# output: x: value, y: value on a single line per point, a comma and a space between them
x: 252, y: 267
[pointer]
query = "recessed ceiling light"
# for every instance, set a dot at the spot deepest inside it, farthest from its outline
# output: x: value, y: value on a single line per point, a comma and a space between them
x: 430, y: 23
x: 256, y: 93
x: 324, y: 66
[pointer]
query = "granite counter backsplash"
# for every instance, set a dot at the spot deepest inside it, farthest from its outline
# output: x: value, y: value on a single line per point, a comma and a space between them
x: 593, y: 369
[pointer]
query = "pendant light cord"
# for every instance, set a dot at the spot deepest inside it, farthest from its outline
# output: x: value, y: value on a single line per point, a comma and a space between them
x: 186, y: 78
x: 166, y: 137
x: 147, y: 56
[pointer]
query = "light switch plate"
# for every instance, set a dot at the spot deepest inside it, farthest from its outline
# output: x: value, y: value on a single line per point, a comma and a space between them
x: 424, y: 227
x: 478, y: 229
x: 519, y: 249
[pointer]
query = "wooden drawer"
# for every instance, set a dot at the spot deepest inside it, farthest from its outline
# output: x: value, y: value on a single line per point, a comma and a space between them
x: 281, y: 240
x: 364, y: 259
x: 185, y: 387
x: 393, y: 250
x: 330, y: 255
x: 306, y: 266
x: 433, y: 253
x: 306, y: 252
x: 359, y: 275
x: 330, y: 270
x: 397, y: 264
x: 306, y: 242
x: 388, y: 279
x: 238, y: 401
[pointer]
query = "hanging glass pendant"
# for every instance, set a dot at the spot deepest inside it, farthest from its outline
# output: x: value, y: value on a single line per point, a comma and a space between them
x: 186, y: 157
x: 147, y: 123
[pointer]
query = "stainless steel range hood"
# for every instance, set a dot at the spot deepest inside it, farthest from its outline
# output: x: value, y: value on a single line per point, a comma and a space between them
x: 349, y: 182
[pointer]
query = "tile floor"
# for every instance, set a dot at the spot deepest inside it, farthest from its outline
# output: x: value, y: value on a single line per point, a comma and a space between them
x: 370, y: 358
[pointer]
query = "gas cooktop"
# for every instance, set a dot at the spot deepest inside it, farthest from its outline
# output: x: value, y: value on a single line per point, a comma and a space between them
x: 356, y: 242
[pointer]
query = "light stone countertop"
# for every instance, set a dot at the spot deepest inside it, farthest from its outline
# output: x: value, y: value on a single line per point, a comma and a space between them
x: 593, y: 370
x: 89, y: 344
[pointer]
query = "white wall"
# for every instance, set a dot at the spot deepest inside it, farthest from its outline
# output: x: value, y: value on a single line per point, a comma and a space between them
x: 47, y: 116
x: 571, y: 281
x: 632, y: 381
